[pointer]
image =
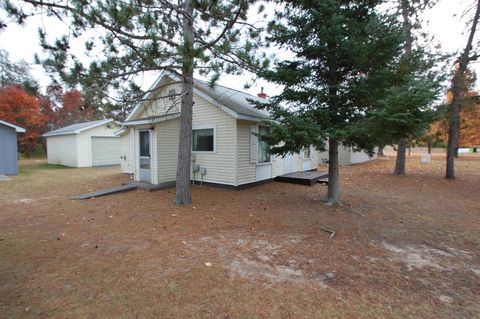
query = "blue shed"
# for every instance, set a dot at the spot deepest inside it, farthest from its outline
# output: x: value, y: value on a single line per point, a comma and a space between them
x: 8, y: 148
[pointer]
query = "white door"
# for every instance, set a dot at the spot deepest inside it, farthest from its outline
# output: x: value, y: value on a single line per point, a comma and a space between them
x: 144, y: 155
x: 105, y: 150
x: 288, y: 164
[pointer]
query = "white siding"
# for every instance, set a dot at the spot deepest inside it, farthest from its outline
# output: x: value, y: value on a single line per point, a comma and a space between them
x: 360, y: 157
x: 347, y: 156
x: 62, y: 150
x: 162, y: 106
x: 167, y: 134
x: 127, y: 152
x: 245, y: 169
x: 220, y: 164
x: 277, y: 165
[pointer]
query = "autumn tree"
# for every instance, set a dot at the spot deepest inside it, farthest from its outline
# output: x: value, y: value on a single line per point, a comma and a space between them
x: 137, y: 37
x: 468, y: 129
x: 461, y: 67
x: 69, y: 107
x: 22, y: 109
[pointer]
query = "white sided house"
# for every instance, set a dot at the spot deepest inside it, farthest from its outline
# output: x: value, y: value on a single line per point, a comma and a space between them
x: 84, y: 144
x: 225, y: 149
x: 348, y: 156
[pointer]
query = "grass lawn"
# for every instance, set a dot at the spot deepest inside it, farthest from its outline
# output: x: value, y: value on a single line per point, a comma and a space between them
x: 404, y: 247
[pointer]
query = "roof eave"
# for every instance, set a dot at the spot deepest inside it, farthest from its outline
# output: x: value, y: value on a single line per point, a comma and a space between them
x: 151, y: 121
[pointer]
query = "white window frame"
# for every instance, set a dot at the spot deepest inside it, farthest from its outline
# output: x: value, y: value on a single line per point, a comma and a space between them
x: 204, y: 127
x: 258, y: 147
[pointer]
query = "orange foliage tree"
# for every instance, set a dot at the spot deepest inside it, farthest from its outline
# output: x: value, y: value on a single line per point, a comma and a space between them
x: 469, y: 134
x: 22, y: 109
x: 68, y: 107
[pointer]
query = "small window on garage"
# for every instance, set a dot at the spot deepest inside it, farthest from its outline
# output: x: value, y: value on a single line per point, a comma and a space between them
x: 203, y: 140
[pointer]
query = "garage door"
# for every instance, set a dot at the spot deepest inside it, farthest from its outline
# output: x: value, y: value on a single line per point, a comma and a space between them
x: 105, y: 151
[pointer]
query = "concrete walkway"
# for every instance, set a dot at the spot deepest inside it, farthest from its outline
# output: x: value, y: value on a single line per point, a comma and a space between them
x: 124, y: 188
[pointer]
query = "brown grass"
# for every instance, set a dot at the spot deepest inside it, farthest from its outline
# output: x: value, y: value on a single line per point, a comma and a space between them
x: 405, y: 246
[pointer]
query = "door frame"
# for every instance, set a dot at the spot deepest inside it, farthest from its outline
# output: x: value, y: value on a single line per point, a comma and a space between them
x: 139, y: 158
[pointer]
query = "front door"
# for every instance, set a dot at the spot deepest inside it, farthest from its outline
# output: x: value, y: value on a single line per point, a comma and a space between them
x: 145, y: 160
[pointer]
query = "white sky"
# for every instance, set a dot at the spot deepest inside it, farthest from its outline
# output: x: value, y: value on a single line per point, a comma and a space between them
x: 445, y: 23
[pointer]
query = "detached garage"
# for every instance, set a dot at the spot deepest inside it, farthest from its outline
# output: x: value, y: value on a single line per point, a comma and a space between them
x: 8, y: 148
x: 84, y: 144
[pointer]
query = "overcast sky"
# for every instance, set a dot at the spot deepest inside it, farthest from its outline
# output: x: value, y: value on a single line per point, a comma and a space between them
x: 445, y: 23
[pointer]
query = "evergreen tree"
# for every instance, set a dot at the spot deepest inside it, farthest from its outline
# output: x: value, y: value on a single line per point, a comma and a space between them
x: 16, y: 73
x: 410, y: 10
x: 135, y: 37
x: 343, y: 51
x: 405, y: 111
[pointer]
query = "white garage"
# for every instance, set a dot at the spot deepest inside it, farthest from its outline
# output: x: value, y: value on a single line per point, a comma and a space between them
x: 84, y: 144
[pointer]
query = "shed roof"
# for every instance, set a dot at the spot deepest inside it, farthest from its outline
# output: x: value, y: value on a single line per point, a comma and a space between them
x: 18, y: 129
x: 232, y: 101
x: 77, y: 128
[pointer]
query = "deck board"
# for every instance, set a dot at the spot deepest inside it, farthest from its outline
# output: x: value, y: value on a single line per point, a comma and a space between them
x: 304, y: 178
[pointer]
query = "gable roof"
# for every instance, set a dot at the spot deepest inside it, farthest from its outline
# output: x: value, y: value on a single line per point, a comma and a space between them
x: 231, y: 101
x: 77, y: 128
x: 18, y: 129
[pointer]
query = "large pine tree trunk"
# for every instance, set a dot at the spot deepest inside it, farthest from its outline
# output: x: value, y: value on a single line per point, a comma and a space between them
x: 333, y: 193
x: 457, y: 96
x: 400, y: 160
x: 407, y: 45
x: 183, y: 194
x: 453, y: 125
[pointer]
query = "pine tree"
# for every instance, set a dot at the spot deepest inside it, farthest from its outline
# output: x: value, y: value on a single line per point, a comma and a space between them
x: 410, y: 11
x: 135, y: 37
x: 343, y: 51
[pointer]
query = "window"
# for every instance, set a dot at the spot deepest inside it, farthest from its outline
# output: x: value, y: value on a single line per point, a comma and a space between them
x: 171, y: 94
x: 306, y: 153
x: 203, y: 140
x: 263, y: 147
x: 145, y: 143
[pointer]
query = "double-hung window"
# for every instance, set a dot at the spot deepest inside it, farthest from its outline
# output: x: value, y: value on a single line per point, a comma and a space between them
x: 263, y: 147
x: 203, y: 140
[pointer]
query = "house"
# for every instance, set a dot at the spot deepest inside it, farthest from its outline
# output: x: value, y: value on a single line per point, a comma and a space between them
x: 84, y: 144
x: 8, y: 147
x: 225, y: 149
x: 348, y: 156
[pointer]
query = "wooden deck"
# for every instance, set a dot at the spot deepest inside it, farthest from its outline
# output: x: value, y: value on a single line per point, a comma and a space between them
x: 304, y: 178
